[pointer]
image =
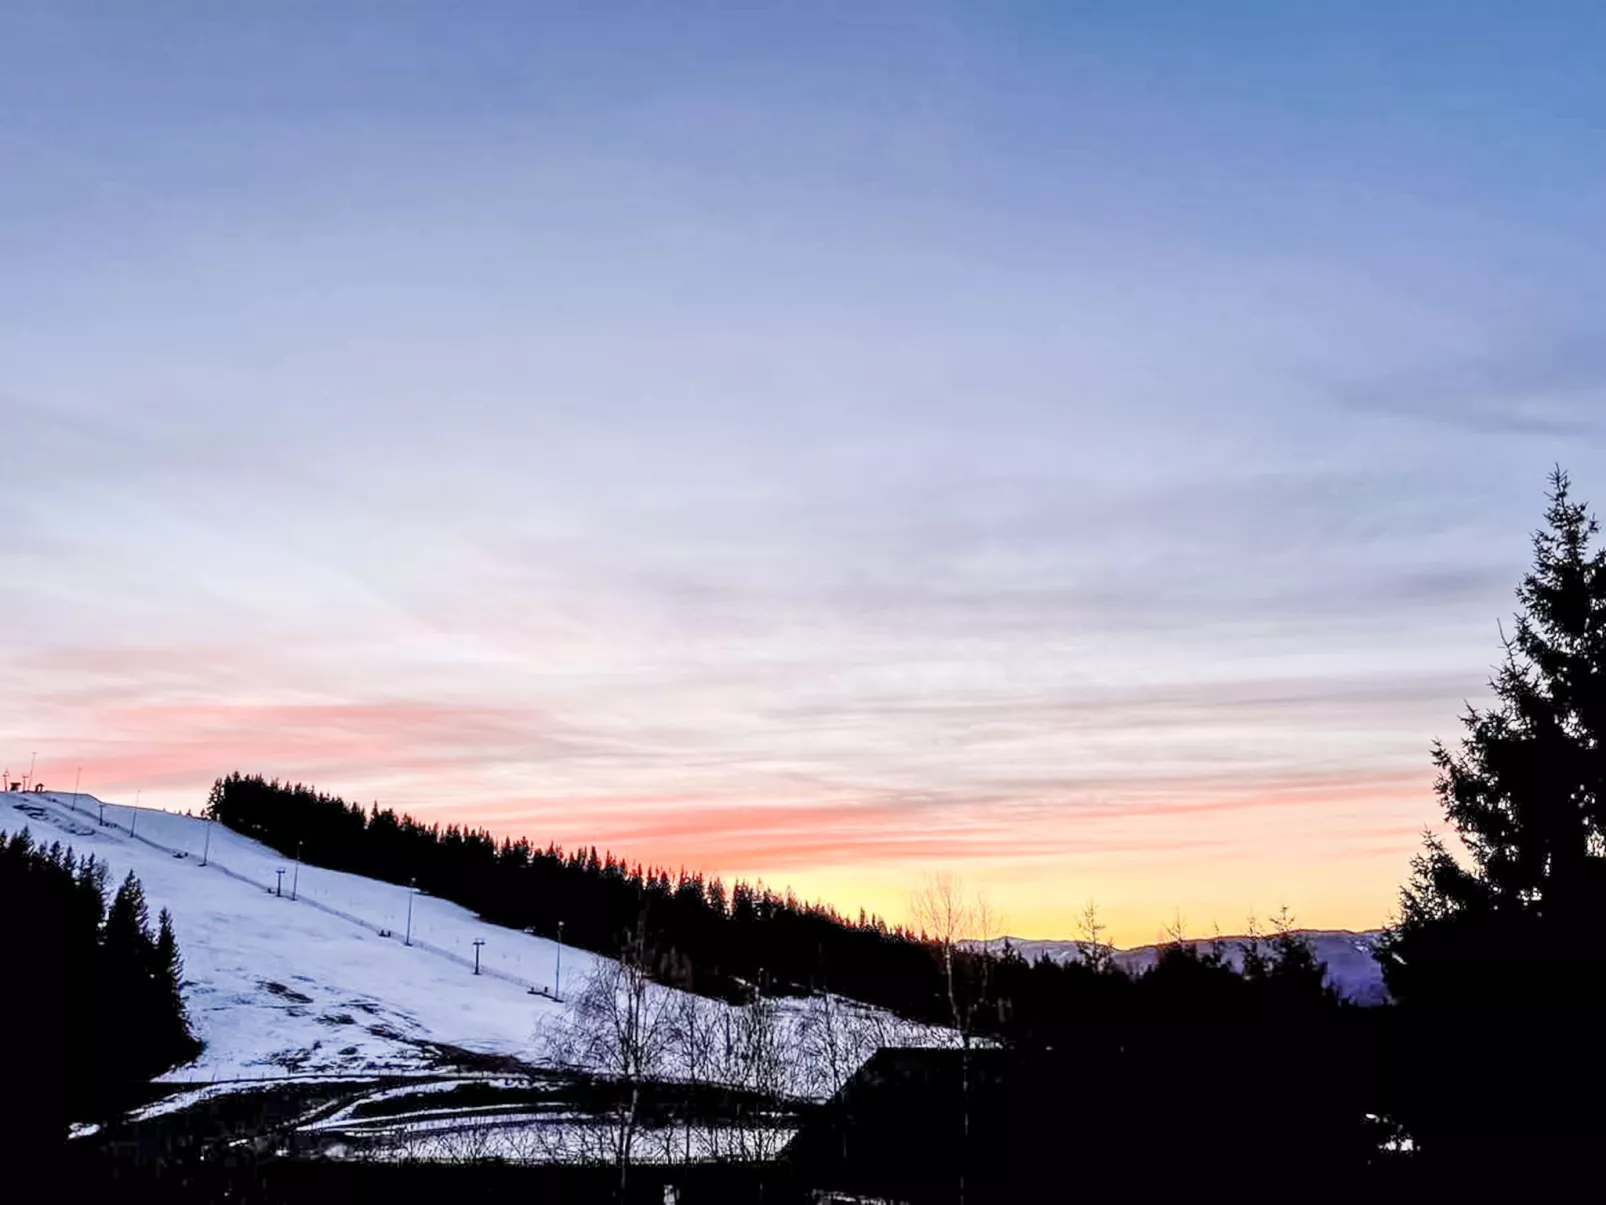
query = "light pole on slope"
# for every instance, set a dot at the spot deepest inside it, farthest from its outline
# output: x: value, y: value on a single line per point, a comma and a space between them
x: 295, y: 879
x: 76, y: 778
x: 557, y: 971
x: 412, y: 886
x: 206, y: 847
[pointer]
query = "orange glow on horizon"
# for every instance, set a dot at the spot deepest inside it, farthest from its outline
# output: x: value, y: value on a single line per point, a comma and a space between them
x: 1332, y: 848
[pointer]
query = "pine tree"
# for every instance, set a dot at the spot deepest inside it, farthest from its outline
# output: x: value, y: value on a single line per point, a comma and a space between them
x: 1255, y: 963
x: 1526, y: 792
x: 216, y: 800
x: 91, y: 884
x: 1495, y: 959
x: 1294, y: 971
x: 128, y: 924
x: 127, y: 958
x: 173, y: 1041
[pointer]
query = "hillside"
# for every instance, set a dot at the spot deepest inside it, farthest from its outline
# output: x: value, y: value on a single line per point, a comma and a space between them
x: 322, y: 982
x: 315, y: 976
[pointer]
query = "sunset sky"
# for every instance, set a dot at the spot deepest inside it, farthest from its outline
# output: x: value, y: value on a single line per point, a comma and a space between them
x: 1084, y: 447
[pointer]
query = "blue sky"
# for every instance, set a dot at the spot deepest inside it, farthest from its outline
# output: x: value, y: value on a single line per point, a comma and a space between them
x: 1086, y: 447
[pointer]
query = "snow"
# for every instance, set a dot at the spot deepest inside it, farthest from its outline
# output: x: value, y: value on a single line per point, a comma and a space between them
x: 540, y: 1128
x: 321, y: 984
x: 519, y: 1138
x: 277, y: 986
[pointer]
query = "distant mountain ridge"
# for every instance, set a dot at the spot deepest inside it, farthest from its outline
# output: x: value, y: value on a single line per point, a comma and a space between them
x: 1352, y: 966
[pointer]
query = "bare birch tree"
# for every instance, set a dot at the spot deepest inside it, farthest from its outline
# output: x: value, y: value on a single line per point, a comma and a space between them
x: 767, y: 1054
x: 693, y: 1034
x: 619, y: 1026
x: 831, y: 1049
x: 947, y: 917
x: 1098, y: 955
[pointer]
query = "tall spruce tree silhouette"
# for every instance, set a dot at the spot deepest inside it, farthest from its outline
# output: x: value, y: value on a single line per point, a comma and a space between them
x: 92, y: 1005
x: 143, y: 973
x: 1496, y: 961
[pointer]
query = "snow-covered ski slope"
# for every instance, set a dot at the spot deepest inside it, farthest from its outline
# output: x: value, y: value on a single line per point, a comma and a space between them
x: 278, y: 986
x: 308, y: 973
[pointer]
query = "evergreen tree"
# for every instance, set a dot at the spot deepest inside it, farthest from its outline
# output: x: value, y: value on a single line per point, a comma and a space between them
x: 128, y: 925
x: 215, y: 801
x: 1253, y: 951
x: 1293, y: 971
x: 92, y: 1005
x: 144, y: 973
x: 1525, y: 793
x: 1496, y: 959
x: 171, y: 1035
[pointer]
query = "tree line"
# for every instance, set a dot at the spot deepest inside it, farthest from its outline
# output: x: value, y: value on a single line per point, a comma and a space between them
x: 702, y: 936
x: 92, y: 1005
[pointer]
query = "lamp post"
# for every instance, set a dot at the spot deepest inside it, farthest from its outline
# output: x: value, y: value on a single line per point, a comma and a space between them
x: 28, y: 784
x: 412, y: 886
x: 478, y: 942
x: 133, y: 813
x: 557, y: 971
x: 206, y: 848
x: 295, y: 879
x: 76, y: 778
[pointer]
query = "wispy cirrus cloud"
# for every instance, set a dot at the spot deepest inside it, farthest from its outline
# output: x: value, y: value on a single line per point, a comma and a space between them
x: 1546, y: 387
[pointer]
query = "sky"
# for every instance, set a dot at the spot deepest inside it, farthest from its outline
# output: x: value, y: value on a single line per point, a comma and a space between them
x: 1084, y: 448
